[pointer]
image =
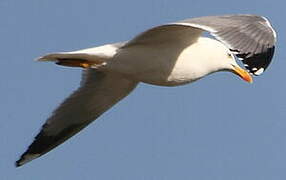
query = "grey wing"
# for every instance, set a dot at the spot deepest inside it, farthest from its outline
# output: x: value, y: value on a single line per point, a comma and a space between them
x: 251, y: 38
x: 177, y: 36
x: 98, y: 92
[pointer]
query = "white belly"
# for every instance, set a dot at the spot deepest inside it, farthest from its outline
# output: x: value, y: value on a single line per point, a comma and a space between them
x: 159, y: 65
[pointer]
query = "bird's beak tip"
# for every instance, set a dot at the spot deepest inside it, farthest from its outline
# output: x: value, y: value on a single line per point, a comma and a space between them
x: 243, y: 74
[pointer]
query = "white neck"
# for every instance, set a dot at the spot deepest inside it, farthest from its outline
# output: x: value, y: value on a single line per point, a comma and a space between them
x: 202, y: 58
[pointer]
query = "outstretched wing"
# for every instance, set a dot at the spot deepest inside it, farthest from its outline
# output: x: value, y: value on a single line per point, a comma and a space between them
x: 251, y: 38
x: 98, y: 92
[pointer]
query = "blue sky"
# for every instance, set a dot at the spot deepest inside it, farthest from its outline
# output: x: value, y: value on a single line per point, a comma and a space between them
x: 217, y: 128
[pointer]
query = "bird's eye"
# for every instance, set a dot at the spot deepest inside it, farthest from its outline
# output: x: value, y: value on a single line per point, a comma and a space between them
x: 229, y: 55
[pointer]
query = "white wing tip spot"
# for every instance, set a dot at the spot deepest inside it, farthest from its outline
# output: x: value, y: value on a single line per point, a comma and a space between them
x: 260, y: 71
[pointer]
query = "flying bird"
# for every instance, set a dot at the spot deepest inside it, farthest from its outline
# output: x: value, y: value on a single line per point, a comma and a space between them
x: 167, y: 55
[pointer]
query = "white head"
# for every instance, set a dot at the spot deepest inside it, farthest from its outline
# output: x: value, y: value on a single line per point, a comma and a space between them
x: 213, y: 56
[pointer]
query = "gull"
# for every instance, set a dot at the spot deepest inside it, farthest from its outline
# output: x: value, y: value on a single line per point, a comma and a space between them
x: 167, y: 55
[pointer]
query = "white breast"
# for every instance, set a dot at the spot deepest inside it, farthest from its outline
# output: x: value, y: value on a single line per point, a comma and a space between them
x: 163, y: 64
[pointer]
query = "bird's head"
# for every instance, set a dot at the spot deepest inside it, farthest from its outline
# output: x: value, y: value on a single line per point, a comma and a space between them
x: 231, y: 65
x: 220, y: 58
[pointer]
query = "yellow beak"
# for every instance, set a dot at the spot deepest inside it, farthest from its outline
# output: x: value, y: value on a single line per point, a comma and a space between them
x: 242, y: 73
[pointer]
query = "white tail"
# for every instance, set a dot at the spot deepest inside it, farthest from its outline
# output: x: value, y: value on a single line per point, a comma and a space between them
x: 84, y: 58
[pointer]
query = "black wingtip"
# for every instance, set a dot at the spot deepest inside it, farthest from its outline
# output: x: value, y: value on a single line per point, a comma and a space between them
x: 42, y: 144
x: 257, y: 63
x: 21, y: 160
x: 26, y: 157
x: 18, y: 163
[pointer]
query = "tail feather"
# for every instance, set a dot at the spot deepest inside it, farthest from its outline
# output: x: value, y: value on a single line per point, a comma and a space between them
x: 100, y: 53
x: 74, y: 60
x: 63, y: 55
